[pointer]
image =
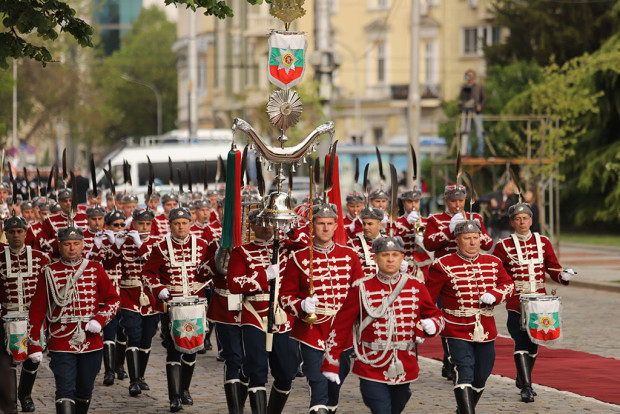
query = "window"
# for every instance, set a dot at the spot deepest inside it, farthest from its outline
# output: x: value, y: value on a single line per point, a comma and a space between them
x: 378, y: 4
x: 430, y: 62
x: 381, y: 61
x: 475, y: 38
x: 202, y: 76
x: 377, y: 134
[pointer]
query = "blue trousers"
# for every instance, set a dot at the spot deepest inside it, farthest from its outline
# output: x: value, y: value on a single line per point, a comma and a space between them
x: 230, y: 337
x: 113, y: 330
x: 473, y: 361
x: 282, y: 359
x: 521, y: 338
x: 139, y: 329
x: 75, y: 373
x: 384, y: 398
x: 322, y: 391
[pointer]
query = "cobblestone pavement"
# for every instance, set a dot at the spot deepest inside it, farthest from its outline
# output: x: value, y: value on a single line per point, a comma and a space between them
x: 588, y: 327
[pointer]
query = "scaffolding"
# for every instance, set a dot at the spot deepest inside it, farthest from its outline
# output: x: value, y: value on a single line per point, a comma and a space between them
x: 547, y: 185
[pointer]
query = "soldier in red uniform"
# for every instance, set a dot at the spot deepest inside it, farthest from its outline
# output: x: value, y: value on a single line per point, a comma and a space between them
x: 440, y: 239
x: 139, y: 317
x: 49, y: 235
x: 249, y: 273
x: 35, y: 227
x: 407, y: 227
x: 94, y: 216
x: 527, y: 257
x: 28, y: 211
x: 170, y: 272
x: 387, y: 304
x: 362, y: 243
x: 352, y: 221
x: 67, y: 296
x: 379, y: 199
x: 19, y: 267
x: 334, y: 269
x: 203, y: 211
x: 470, y: 285
x: 161, y: 222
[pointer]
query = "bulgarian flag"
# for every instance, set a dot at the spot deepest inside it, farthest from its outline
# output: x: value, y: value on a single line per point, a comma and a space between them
x: 286, y: 59
x: 543, y: 321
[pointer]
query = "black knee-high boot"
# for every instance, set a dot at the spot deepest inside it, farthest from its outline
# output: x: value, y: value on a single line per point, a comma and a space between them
x: 258, y: 400
x: 277, y: 401
x: 81, y: 406
x: 119, y: 360
x: 523, y: 370
x: 108, y: 363
x: 173, y: 372
x: 143, y: 359
x: 187, y: 371
x: 231, y: 389
x: 464, y: 400
x: 133, y: 364
x: 24, y: 391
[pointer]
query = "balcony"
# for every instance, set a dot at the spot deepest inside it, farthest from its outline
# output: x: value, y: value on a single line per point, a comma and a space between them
x: 261, y: 25
x: 427, y: 91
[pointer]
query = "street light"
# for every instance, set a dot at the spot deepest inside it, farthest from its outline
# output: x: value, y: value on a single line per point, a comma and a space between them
x: 157, y: 96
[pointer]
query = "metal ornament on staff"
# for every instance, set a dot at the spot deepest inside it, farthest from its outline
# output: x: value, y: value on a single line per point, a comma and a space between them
x: 311, y: 317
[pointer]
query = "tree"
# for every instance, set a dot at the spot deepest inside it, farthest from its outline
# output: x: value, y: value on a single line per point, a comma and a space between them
x: 544, y: 30
x: 145, y: 55
x: 45, y: 20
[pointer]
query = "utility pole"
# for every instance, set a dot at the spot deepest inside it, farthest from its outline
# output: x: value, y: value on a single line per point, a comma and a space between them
x: 15, y: 141
x: 413, y: 97
x: 323, y: 58
x: 192, y: 62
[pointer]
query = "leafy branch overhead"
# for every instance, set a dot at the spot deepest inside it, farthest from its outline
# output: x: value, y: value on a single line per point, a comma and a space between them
x: 25, y: 20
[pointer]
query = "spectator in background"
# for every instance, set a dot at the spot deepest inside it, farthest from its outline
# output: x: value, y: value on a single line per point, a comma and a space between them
x: 498, y: 203
x: 82, y: 185
x: 531, y: 199
x: 471, y: 101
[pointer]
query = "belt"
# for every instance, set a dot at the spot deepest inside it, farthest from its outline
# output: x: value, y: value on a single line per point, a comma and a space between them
x: 72, y: 319
x: 383, y: 345
x: 325, y: 311
x: 223, y: 292
x: 131, y: 283
x: 258, y: 297
x: 467, y: 312
x: 190, y: 288
x: 524, y: 287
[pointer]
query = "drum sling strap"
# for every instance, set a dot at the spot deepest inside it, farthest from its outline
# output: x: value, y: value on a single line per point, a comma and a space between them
x: 530, y: 262
x: 18, y: 275
x: 183, y: 265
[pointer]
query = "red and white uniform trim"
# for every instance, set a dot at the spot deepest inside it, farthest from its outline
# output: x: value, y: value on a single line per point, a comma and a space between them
x: 18, y: 278
x: 461, y: 281
x: 384, y: 348
x: 527, y: 259
x: 439, y: 239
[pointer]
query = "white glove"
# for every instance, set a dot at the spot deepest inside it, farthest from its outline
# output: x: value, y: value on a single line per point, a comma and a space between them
x: 487, y: 299
x: 93, y: 326
x: 110, y: 235
x: 419, y: 340
x: 98, y: 240
x: 36, y: 357
x: 120, y: 238
x: 332, y: 376
x: 404, y: 266
x: 273, y: 271
x: 135, y: 236
x: 308, y: 305
x: 457, y: 218
x: 413, y: 217
x: 163, y: 294
x: 352, y: 225
x: 285, y: 228
x: 567, y: 274
x: 384, y: 221
x: 428, y: 326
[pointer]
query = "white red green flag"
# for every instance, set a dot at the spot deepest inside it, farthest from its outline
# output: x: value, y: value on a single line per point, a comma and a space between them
x: 544, y: 324
x: 287, y: 58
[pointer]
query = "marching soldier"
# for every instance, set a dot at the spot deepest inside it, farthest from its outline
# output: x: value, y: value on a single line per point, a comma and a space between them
x: 362, y: 243
x: 95, y: 217
x: 67, y: 296
x: 203, y: 211
x: 19, y: 267
x: 170, y: 272
x: 48, y: 241
x: 352, y: 221
x: 138, y: 315
x: 470, y: 285
x: 152, y: 202
x: 249, y: 273
x: 114, y: 340
x: 386, y: 304
x: 527, y: 257
x: 409, y: 226
x: 439, y: 239
x: 4, y: 196
x: 379, y: 199
x: 130, y: 203
x: 330, y: 269
x: 28, y: 211
x: 162, y: 222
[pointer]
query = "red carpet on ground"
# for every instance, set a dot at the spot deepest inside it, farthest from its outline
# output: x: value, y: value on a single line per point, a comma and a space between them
x: 578, y: 372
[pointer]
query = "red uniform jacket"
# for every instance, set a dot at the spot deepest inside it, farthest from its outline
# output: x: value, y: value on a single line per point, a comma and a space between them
x: 18, y: 285
x: 391, y: 326
x: 33, y: 233
x: 172, y: 265
x: 527, y: 265
x: 77, y: 306
x: 439, y: 239
x: 47, y: 241
x: 247, y: 275
x: 218, y: 306
x: 334, y: 271
x: 461, y: 282
x: 131, y: 258
x: 161, y: 225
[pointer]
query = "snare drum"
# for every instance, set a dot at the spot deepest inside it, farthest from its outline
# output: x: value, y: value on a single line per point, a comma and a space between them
x: 16, y: 335
x: 541, y: 317
x: 188, y: 323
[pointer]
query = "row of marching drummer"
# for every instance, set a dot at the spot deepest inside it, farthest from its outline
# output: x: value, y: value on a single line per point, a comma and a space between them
x: 91, y: 284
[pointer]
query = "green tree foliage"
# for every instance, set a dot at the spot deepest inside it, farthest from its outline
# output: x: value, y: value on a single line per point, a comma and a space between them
x: 28, y: 22
x: 544, y: 30
x: 146, y: 55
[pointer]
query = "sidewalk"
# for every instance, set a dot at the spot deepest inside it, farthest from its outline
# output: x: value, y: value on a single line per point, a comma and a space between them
x: 597, y: 267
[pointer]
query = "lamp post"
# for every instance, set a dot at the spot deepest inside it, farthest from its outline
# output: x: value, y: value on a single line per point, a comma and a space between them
x: 157, y: 96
